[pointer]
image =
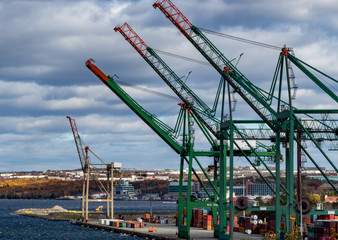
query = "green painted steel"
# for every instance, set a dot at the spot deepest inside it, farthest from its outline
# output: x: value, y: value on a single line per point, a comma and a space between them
x: 317, y: 145
x: 316, y: 111
x: 319, y: 83
x: 203, y: 113
x: 277, y: 209
x: 253, y: 96
x: 172, y: 76
x: 282, y: 122
x: 154, y: 123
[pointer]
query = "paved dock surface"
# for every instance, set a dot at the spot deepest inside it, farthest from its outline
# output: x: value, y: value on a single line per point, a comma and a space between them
x: 165, y: 231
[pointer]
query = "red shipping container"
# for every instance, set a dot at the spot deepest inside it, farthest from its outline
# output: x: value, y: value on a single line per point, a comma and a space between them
x: 247, y: 222
x: 263, y: 226
x: 262, y: 231
x: 255, y: 229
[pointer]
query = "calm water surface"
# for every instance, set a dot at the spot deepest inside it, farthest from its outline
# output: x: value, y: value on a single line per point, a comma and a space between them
x: 19, y: 227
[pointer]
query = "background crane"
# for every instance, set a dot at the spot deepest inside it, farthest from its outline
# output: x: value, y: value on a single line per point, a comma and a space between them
x: 89, y: 173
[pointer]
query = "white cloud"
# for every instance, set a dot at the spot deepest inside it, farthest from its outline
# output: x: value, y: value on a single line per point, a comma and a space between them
x: 43, y: 78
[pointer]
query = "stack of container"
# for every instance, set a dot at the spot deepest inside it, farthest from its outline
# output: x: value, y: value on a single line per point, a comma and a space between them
x: 322, y: 229
x: 207, y: 222
x: 155, y: 219
x: 255, y: 225
x: 121, y: 224
x: 184, y: 217
x: 241, y: 225
x: 200, y: 218
x: 197, y: 218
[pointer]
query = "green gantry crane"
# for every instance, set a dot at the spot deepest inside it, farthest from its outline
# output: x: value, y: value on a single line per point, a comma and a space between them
x: 284, y: 124
x: 183, y: 127
x: 282, y: 121
x: 202, y: 112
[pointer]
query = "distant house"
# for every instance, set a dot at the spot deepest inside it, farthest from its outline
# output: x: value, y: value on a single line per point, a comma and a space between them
x: 331, y: 199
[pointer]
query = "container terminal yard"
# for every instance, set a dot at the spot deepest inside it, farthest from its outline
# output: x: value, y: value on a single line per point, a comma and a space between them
x: 275, y: 143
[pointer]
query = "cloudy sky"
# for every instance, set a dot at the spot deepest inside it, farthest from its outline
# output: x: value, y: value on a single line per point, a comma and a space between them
x: 43, y: 78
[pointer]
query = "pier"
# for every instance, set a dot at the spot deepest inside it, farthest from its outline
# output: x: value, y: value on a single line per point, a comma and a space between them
x: 164, y: 231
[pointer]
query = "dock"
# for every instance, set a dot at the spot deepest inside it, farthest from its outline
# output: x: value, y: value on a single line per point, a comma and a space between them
x: 164, y: 231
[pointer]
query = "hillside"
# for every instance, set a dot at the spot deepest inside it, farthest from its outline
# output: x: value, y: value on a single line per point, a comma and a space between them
x: 44, y: 188
x: 38, y: 188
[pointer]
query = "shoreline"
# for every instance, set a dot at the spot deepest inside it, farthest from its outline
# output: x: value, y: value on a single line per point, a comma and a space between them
x: 58, y: 213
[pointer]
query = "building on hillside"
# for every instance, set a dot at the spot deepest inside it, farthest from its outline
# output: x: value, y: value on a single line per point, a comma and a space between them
x: 158, y: 177
x: 174, y: 187
x: 173, y: 190
x: 124, y: 188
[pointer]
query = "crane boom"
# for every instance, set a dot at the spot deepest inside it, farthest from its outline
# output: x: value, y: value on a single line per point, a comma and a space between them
x: 252, y: 95
x: 169, y: 77
x: 302, y: 66
x: 154, y: 123
x: 78, y: 142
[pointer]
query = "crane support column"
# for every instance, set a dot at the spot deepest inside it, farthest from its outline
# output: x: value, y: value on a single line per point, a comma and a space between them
x: 278, y: 213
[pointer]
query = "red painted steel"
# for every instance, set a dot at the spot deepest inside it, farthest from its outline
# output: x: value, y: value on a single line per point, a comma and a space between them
x: 174, y: 15
x: 96, y: 70
x: 131, y: 36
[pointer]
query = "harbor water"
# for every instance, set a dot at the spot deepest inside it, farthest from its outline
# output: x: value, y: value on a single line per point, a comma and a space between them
x: 20, y: 227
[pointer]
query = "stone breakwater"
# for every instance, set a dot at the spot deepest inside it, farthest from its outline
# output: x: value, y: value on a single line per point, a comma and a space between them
x: 55, y: 213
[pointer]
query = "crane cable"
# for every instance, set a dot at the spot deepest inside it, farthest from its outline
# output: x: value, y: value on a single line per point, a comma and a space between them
x: 152, y: 92
x: 146, y: 90
x: 182, y: 57
x: 241, y: 39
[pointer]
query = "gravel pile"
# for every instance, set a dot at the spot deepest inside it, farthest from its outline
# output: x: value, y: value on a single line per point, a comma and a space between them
x: 40, y: 211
